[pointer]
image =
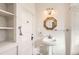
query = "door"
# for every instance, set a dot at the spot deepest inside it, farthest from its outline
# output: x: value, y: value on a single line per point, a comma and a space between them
x: 24, y: 32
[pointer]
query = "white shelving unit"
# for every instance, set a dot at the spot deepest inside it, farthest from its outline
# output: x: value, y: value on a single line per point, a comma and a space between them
x: 5, y: 13
x: 7, y: 25
x: 4, y: 45
x: 6, y: 28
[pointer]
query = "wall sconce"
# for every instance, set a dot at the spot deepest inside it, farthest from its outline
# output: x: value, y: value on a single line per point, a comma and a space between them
x: 50, y: 11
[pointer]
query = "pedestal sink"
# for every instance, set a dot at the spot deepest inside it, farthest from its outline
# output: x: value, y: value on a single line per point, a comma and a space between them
x: 50, y: 42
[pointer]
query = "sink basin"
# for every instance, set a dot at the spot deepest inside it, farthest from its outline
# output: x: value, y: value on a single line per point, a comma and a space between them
x: 49, y: 41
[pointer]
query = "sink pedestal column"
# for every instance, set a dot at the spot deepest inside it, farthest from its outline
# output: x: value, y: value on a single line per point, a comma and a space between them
x: 50, y: 50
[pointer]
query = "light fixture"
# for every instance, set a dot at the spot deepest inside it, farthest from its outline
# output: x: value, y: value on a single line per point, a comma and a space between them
x: 50, y: 11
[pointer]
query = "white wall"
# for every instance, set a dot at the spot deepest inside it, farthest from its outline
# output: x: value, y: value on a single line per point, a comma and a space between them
x: 75, y: 28
x: 60, y: 16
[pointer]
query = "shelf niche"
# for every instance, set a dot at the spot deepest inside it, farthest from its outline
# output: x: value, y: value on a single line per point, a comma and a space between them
x: 7, y: 22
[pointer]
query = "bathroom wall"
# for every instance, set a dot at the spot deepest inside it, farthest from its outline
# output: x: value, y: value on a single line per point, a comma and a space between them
x: 75, y: 28
x: 61, y: 16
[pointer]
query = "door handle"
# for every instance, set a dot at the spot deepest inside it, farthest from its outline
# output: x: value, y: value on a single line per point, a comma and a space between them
x: 32, y: 37
x: 20, y: 33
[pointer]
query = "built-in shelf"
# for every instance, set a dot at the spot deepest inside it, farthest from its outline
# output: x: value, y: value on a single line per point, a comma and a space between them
x: 6, y: 45
x: 5, y: 13
x: 5, y: 28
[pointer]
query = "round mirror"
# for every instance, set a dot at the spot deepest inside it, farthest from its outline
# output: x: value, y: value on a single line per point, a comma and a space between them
x: 50, y: 23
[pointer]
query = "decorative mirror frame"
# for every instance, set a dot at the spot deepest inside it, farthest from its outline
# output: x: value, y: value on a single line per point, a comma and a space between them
x: 54, y: 23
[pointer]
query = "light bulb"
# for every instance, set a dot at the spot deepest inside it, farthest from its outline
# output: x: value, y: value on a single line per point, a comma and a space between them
x: 53, y: 12
x: 49, y: 11
x: 46, y: 12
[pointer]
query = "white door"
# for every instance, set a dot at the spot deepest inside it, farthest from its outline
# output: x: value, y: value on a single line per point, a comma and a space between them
x: 24, y: 40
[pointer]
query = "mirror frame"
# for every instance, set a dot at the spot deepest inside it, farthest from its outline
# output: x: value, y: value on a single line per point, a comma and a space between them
x: 54, y: 23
